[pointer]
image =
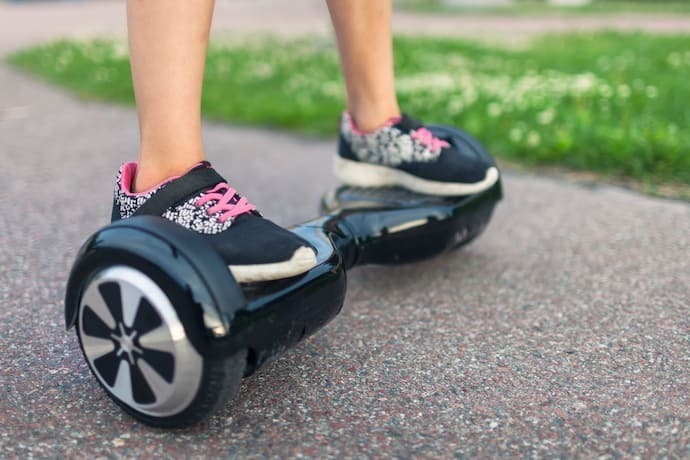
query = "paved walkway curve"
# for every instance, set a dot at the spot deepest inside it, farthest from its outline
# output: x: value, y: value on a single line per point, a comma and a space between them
x: 24, y: 24
x: 563, y: 331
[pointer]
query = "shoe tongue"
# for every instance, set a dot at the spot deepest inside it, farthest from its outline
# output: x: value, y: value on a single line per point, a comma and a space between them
x: 407, y: 123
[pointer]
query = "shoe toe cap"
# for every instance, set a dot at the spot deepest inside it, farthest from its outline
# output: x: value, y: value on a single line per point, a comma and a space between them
x: 466, y: 145
x: 466, y: 159
x: 254, y: 240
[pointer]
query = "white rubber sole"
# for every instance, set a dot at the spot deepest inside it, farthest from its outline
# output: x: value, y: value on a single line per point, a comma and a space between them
x: 301, y: 261
x: 360, y: 174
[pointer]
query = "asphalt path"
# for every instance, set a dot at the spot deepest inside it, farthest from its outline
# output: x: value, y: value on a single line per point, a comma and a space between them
x: 563, y: 331
x: 26, y: 22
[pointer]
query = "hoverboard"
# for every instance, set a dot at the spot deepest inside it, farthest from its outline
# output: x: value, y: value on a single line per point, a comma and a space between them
x: 169, y: 333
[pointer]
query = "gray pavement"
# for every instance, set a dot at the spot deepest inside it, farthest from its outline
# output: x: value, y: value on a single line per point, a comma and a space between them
x: 563, y: 331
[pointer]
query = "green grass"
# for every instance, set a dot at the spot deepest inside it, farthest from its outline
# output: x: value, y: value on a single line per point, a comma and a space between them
x: 541, y: 8
x: 615, y: 104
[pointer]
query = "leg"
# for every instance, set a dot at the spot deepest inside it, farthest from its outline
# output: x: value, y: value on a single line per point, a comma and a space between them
x: 363, y: 31
x: 168, y: 41
x: 377, y: 147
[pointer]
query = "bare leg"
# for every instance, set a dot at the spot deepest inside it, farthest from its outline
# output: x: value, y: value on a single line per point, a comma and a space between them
x: 363, y: 31
x: 168, y: 41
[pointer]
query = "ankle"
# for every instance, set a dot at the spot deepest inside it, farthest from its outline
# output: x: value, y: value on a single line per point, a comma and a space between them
x: 150, y: 174
x: 369, y: 119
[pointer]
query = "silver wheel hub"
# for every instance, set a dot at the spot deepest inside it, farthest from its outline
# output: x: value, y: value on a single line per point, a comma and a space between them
x: 135, y: 343
x: 126, y: 343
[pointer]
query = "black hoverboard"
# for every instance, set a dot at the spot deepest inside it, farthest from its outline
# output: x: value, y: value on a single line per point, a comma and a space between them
x: 169, y: 333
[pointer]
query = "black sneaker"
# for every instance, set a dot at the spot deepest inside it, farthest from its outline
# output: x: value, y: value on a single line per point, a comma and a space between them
x: 254, y: 248
x: 403, y: 152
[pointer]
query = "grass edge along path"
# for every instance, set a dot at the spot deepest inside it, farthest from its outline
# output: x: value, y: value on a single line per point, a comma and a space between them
x: 609, y: 103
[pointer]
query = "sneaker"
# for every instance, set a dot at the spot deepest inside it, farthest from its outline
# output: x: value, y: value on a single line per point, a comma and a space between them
x: 200, y: 200
x: 405, y: 153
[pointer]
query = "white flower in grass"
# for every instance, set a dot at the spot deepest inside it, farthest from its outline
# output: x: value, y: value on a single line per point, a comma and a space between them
x: 332, y: 89
x: 438, y: 82
x: 515, y: 135
x: 546, y: 117
x: 675, y: 59
x: 455, y: 105
x: 583, y: 83
x: 470, y: 97
x: 624, y: 91
x: 456, y: 60
x: 262, y: 70
x: 120, y: 50
x: 93, y: 52
x: 624, y: 61
x: 651, y: 91
x: 605, y: 90
x: 533, y: 139
x: 604, y: 63
x: 520, y: 102
x: 296, y: 83
x: 494, y: 109
x: 64, y: 59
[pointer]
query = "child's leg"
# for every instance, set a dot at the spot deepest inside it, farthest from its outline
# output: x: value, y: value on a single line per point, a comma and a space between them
x: 168, y: 41
x: 363, y: 30
x: 378, y: 147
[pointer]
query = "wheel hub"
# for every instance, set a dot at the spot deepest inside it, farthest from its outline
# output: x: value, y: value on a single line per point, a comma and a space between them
x: 135, y: 343
x: 126, y: 343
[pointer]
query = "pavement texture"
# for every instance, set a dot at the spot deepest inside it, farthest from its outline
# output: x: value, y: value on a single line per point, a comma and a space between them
x: 563, y: 331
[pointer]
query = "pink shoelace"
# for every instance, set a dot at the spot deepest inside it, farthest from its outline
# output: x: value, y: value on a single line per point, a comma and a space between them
x: 426, y: 137
x: 226, y: 203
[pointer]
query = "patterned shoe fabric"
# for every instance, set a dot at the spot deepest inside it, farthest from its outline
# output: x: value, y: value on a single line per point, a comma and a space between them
x: 405, y: 153
x: 254, y: 248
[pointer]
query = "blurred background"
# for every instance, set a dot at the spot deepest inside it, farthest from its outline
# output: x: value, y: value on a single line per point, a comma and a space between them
x: 590, y: 87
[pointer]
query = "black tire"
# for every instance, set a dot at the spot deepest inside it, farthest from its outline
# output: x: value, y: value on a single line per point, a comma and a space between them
x: 125, y: 375
x: 150, y: 301
x: 221, y: 381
